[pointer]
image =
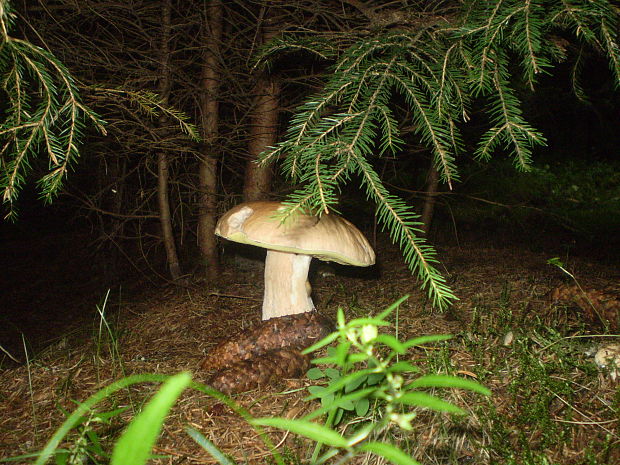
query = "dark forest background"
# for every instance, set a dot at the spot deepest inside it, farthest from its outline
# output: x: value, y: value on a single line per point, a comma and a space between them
x: 143, y: 198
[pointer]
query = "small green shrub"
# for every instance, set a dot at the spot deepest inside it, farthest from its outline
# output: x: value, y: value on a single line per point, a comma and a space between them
x: 362, y: 373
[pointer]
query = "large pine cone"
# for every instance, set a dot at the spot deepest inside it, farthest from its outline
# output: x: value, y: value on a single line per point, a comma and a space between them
x: 596, y: 304
x: 269, y: 367
x: 292, y: 331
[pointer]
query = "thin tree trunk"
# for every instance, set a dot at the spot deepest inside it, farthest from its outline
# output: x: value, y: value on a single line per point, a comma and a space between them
x: 162, y: 158
x: 207, y: 168
x: 263, y: 130
x: 432, y: 182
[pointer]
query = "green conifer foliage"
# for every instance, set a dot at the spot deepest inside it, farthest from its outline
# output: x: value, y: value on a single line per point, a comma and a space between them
x: 437, y: 65
x: 42, y: 114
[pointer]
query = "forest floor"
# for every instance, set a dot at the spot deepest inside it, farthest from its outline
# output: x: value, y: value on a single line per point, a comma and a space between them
x: 550, y: 402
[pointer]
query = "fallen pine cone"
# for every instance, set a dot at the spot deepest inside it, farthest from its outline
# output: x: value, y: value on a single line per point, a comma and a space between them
x: 292, y: 331
x: 265, y: 369
x: 597, y: 305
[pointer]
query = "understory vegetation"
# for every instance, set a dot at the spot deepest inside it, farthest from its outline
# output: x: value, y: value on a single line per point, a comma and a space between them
x: 375, y: 396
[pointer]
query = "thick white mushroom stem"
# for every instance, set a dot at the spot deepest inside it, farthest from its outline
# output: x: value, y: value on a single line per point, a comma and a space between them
x: 287, y: 291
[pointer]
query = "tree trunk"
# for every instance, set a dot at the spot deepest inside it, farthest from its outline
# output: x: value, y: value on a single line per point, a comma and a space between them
x: 207, y: 168
x: 162, y: 158
x: 263, y: 130
x: 432, y: 182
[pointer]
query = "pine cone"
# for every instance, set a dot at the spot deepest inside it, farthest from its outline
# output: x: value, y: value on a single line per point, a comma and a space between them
x: 270, y: 367
x: 606, y: 303
x: 292, y: 331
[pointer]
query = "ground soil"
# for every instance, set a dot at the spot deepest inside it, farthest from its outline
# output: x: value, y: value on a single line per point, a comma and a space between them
x: 169, y: 328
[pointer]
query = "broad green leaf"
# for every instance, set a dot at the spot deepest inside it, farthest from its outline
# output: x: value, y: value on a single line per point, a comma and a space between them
x: 390, y: 452
x: 422, y: 399
x: 375, y: 378
x: 362, y: 406
x: 391, y: 342
x: 403, y: 366
x: 347, y: 405
x: 322, y: 343
x: 327, y: 400
x: 315, y: 373
x: 316, y: 391
x: 314, y: 431
x: 337, y: 385
x: 353, y: 385
x: 354, y: 396
x: 137, y: 440
x: 332, y: 373
x: 338, y: 416
x: 448, y: 381
x: 367, y: 321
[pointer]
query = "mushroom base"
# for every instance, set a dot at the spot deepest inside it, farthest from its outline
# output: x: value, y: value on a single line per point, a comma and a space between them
x: 287, y: 291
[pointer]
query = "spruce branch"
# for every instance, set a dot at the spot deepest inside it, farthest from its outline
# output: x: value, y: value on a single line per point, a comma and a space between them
x: 405, y: 230
x: 323, y: 47
x: 151, y: 104
x: 509, y: 126
x: 44, y: 114
x: 529, y: 40
x: 486, y: 52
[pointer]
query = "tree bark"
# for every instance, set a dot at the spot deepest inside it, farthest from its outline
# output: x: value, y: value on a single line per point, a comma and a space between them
x: 263, y: 130
x: 207, y: 168
x: 432, y: 182
x: 162, y: 157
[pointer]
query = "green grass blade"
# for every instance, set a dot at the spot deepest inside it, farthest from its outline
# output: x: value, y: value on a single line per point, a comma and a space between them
x: 85, y: 406
x: 314, y: 431
x: 418, y: 341
x: 448, y: 381
x: 135, y: 444
x: 207, y: 445
x: 389, y: 452
x: 421, y: 399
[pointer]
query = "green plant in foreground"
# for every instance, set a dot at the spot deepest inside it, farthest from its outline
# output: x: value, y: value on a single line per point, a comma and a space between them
x: 364, y: 375
x: 364, y: 369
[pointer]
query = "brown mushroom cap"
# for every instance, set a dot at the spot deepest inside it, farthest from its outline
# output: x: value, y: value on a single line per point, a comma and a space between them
x: 328, y: 238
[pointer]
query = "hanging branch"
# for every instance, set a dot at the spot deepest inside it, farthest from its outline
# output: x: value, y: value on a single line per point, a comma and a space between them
x: 44, y: 115
x: 437, y: 67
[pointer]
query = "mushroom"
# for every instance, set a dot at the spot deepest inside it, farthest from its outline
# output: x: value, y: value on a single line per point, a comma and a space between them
x: 291, y: 243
